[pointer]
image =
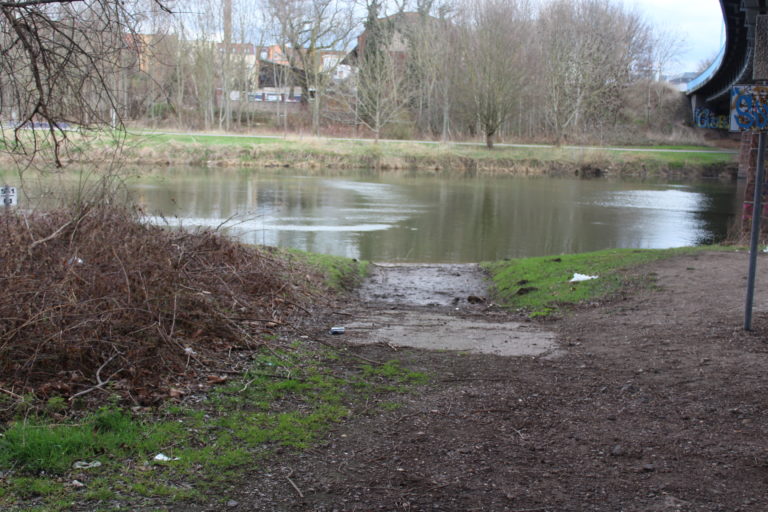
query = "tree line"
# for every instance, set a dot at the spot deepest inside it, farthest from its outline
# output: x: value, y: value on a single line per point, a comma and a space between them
x: 561, y: 70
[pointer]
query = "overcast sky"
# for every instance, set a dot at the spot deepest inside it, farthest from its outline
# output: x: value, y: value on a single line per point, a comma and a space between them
x: 699, y: 21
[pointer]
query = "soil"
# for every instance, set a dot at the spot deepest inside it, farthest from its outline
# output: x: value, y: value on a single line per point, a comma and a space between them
x: 654, y: 400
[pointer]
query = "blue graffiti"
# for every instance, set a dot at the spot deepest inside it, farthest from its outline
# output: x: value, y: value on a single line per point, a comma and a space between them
x: 705, y: 118
x: 748, y: 113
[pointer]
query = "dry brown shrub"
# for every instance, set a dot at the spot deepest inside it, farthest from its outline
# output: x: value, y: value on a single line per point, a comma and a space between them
x: 98, y: 296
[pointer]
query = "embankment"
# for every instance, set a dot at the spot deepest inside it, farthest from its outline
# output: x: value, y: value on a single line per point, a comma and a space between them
x: 218, y: 151
x: 438, y: 158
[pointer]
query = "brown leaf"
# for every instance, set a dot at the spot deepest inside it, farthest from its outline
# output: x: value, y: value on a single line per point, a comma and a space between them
x: 216, y: 379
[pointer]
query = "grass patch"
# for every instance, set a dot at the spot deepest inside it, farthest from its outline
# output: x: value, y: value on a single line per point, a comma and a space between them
x: 158, y: 139
x: 341, y: 274
x: 285, y: 401
x: 541, y: 285
x: 36, y: 445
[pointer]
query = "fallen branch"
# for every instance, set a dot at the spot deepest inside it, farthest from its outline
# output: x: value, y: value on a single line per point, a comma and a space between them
x: 11, y: 393
x: 101, y: 383
x: 49, y: 237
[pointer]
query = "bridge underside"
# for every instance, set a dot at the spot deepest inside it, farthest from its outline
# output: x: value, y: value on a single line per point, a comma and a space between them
x: 710, y: 94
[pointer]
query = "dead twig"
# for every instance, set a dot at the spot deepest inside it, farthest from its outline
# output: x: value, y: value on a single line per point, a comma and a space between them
x: 101, y: 383
x: 11, y: 393
x: 293, y: 484
x: 49, y: 237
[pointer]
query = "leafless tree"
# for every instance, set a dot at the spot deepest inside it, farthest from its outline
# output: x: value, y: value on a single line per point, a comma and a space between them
x: 59, y: 69
x: 378, y: 92
x: 590, y: 51
x: 494, y: 57
x: 430, y: 57
x: 307, y: 30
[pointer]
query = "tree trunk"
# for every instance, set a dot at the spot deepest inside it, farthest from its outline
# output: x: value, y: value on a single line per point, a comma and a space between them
x: 489, y: 140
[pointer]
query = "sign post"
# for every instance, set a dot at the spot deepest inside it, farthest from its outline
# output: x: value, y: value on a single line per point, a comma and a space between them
x: 749, y: 112
x: 8, y: 196
x: 754, y: 241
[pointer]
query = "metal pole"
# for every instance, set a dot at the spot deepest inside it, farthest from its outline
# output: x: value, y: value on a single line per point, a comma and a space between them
x: 757, y: 210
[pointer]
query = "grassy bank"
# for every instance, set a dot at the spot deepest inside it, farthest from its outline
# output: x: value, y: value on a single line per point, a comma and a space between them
x: 543, y: 286
x: 308, y: 153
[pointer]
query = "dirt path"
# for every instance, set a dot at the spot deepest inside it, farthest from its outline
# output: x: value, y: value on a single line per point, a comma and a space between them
x: 656, y: 401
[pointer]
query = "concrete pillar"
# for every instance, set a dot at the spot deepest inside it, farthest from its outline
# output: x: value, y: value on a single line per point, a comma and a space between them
x: 748, y: 150
x: 748, y: 170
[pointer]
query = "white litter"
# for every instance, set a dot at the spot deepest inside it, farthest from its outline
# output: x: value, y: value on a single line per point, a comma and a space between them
x: 86, y: 465
x: 581, y: 277
x: 161, y: 457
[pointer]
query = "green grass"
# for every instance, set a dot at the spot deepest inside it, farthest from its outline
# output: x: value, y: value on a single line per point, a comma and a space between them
x: 156, y: 139
x: 34, y: 445
x: 340, y: 273
x: 541, y: 286
x: 287, y: 399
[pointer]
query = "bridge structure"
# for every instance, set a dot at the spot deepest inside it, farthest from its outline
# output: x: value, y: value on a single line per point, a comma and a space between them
x: 710, y: 92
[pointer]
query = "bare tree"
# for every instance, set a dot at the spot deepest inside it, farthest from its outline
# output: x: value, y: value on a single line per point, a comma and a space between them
x: 494, y: 57
x: 590, y: 50
x: 306, y: 30
x: 59, y: 69
x: 379, y: 91
x: 430, y: 57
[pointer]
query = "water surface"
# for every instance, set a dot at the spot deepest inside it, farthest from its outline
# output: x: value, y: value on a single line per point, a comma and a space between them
x: 386, y: 217
x: 416, y: 218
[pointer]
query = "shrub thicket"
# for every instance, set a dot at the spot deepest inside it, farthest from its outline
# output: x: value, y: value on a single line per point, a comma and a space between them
x: 99, y: 300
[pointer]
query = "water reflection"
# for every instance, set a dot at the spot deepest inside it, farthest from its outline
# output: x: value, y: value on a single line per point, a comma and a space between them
x: 393, y: 217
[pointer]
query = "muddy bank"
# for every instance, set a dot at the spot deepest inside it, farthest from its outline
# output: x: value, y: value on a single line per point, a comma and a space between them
x: 452, y: 164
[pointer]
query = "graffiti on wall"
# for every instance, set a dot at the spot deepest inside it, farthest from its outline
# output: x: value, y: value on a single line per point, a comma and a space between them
x: 748, y: 108
x: 705, y: 118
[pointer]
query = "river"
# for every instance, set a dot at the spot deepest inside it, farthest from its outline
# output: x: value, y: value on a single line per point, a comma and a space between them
x: 416, y: 218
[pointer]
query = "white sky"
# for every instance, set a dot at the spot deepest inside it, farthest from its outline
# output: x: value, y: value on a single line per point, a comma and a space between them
x: 698, y: 21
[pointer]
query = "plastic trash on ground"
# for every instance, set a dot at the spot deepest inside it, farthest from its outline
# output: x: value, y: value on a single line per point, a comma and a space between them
x: 81, y: 464
x: 161, y: 457
x: 581, y: 277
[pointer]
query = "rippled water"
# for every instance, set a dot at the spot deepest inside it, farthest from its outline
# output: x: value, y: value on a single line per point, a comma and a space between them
x: 402, y: 217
